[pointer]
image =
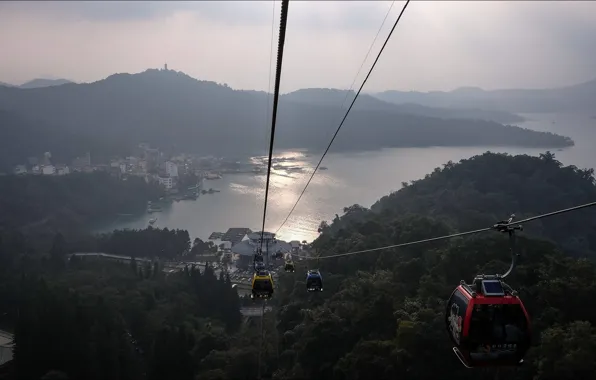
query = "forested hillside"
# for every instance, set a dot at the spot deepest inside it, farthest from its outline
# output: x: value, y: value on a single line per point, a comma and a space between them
x: 91, y: 319
x: 484, y: 189
x: 70, y: 203
x: 381, y: 315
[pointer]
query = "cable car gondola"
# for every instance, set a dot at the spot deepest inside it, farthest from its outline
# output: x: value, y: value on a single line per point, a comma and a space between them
x: 259, y: 266
x: 289, y: 266
x: 258, y: 263
x: 488, y: 323
x: 486, y: 320
x: 262, y: 285
x: 314, y: 281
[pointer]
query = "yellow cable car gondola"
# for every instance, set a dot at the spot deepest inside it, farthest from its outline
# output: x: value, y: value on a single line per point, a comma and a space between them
x: 262, y: 285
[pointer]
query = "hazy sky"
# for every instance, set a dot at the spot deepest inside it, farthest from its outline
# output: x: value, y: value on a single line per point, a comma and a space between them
x: 437, y: 45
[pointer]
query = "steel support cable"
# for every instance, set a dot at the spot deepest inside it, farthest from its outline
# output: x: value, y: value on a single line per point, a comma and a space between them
x: 520, y: 222
x: 343, y: 103
x: 270, y: 60
x: 261, y: 342
x: 280, y: 53
x: 348, y: 91
x: 280, y: 50
x: 347, y: 112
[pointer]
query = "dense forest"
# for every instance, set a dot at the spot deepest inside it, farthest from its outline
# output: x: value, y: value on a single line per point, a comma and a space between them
x: 16, y: 142
x: 70, y: 203
x: 381, y: 315
x: 92, y: 319
x: 171, y: 110
x: 164, y: 244
x: 489, y: 187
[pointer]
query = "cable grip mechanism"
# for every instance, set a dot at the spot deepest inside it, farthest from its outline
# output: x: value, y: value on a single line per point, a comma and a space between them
x: 506, y: 226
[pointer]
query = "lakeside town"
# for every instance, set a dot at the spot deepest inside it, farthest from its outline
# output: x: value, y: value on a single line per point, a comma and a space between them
x: 182, y: 176
x: 172, y: 171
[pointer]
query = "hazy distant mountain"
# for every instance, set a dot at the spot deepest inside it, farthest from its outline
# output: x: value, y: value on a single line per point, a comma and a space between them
x: 173, y: 111
x: 577, y: 98
x: 334, y: 98
x: 40, y: 82
x: 6, y: 84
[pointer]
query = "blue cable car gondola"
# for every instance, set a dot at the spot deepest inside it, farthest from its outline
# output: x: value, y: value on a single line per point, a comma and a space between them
x: 314, y: 281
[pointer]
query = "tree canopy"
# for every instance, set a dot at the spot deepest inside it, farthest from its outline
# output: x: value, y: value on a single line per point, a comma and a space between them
x: 70, y: 203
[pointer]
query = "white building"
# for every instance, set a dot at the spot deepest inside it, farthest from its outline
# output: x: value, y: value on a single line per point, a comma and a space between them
x: 248, y: 246
x: 166, y: 182
x: 295, y: 244
x: 227, y: 247
x: 48, y: 169
x: 171, y: 169
x: 36, y: 169
x: 62, y: 170
x: 122, y: 168
x: 20, y: 169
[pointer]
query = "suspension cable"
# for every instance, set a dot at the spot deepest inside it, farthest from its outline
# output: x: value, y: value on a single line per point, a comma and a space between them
x: 343, y: 103
x: 270, y: 61
x: 347, y: 112
x: 280, y: 53
x: 520, y: 222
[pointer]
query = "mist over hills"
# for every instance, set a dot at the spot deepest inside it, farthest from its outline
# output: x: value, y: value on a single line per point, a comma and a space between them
x: 171, y: 110
x: 576, y: 98
x: 39, y: 82
x: 334, y: 98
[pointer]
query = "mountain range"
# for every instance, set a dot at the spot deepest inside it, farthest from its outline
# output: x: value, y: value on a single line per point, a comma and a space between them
x: 576, y: 98
x: 175, y: 112
x: 38, y: 83
x: 334, y: 97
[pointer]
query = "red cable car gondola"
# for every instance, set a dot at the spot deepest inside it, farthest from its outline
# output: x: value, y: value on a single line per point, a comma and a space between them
x: 486, y: 321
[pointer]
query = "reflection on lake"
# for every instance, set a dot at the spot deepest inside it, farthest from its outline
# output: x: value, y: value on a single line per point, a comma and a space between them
x: 360, y: 178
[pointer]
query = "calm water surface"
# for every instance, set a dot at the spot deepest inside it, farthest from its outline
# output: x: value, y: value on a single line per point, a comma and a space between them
x: 360, y: 178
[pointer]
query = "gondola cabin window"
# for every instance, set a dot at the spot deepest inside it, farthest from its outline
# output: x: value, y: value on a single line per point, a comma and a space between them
x: 497, y: 327
x: 262, y: 285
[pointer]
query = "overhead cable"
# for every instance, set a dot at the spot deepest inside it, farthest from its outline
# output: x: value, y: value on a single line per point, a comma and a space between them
x: 347, y: 113
x: 280, y: 54
x: 453, y: 235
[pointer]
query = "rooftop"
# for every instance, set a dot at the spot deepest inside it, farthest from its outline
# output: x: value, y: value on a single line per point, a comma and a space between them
x: 244, y: 248
x: 235, y: 235
x: 257, y: 235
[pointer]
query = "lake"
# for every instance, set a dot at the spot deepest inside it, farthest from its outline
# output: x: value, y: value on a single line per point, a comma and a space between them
x: 351, y: 178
